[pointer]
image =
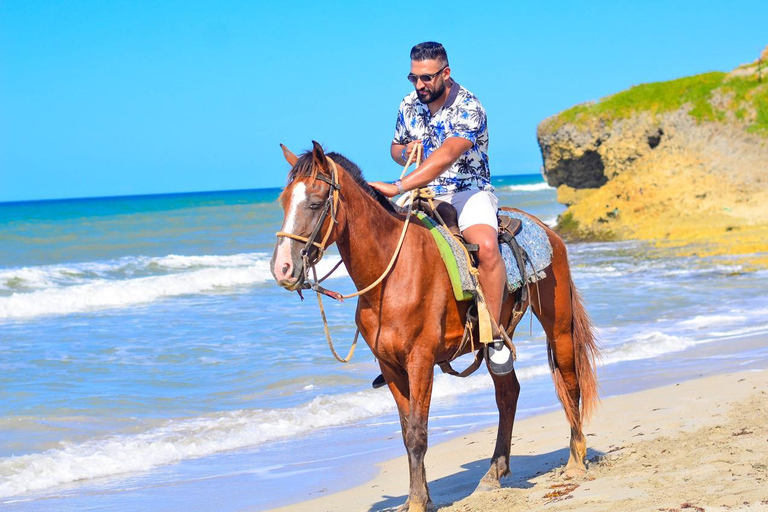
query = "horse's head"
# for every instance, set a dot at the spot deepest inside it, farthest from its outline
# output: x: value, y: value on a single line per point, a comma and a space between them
x: 309, y: 204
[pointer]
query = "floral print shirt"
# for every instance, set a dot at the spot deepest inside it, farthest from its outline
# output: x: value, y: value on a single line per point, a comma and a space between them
x: 463, y: 116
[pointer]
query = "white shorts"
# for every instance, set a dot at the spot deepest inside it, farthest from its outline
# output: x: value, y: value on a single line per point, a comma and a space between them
x: 474, y: 207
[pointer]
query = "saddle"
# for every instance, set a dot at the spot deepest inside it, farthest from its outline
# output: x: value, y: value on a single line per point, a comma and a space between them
x: 444, y: 213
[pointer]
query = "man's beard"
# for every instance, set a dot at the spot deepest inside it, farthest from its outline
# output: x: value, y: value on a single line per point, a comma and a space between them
x: 428, y: 96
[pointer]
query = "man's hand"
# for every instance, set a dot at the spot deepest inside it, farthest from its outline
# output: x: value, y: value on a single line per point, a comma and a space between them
x: 396, y: 151
x: 409, y: 149
x: 388, y: 189
x: 440, y: 160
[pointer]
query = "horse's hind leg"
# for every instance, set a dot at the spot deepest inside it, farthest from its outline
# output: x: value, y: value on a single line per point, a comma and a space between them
x: 507, y: 392
x: 571, y: 349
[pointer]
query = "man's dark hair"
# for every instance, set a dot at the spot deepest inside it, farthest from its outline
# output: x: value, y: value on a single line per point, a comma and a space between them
x: 429, y: 50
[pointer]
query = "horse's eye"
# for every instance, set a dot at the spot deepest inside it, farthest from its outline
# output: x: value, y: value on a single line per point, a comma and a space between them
x: 315, y: 206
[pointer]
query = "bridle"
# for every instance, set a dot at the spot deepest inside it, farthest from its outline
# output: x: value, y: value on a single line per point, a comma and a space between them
x: 313, y: 251
x: 310, y: 243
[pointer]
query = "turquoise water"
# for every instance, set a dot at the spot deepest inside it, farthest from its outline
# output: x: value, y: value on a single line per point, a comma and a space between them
x: 148, y: 356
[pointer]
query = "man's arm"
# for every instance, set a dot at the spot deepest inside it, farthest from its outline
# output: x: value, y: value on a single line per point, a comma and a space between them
x: 440, y: 160
x: 396, y: 151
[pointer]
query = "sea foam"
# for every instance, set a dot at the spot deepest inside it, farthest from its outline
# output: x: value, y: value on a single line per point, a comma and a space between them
x: 182, y: 439
x: 533, y: 187
x: 93, y: 286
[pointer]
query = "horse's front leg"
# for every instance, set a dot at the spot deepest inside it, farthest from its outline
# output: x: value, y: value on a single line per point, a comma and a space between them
x: 412, y: 391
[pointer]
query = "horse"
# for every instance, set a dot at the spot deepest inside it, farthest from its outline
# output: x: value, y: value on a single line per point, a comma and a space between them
x: 411, y: 320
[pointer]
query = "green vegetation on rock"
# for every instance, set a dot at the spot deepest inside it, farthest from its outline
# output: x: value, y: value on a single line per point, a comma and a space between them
x: 741, y: 98
x: 748, y: 95
x: 572, y: 231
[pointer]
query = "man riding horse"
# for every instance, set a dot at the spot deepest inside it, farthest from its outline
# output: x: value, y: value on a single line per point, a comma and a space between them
x: 407, y: 312
x: 450, y: 124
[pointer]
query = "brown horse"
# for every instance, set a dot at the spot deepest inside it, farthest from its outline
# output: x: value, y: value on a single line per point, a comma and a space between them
x: 411, y: 320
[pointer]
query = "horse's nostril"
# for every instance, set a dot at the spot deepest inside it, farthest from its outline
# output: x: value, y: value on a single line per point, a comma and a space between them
x: 286, y: 268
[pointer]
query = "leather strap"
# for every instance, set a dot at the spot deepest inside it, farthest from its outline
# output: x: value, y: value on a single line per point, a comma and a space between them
x: 446, y: 367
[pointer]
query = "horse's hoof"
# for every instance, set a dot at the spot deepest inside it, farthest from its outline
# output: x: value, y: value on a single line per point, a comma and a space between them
x: 575, y: 472
x: 485, y: 486
x: 412, y: 507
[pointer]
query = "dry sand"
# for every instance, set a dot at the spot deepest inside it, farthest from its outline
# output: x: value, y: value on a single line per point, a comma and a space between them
x: 697, y: 445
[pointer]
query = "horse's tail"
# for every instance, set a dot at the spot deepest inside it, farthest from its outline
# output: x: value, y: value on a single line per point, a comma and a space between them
x: 585, y: 353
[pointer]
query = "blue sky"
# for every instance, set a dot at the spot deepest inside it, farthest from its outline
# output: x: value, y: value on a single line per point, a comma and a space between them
x: 118, y: 98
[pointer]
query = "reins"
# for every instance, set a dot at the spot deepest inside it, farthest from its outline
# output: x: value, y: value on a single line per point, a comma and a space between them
x: 331, y: 206
x: 417, y: 151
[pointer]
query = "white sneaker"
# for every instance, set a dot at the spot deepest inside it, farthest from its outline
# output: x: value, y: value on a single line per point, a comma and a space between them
x: 499, y: 357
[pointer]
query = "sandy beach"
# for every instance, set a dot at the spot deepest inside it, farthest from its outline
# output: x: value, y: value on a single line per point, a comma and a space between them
x: 696, y: 445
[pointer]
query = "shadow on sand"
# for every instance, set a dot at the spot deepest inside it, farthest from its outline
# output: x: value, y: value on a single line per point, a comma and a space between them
x: 449, y: 489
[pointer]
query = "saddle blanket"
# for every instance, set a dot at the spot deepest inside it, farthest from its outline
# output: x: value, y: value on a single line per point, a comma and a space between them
x: 531, y: 237
x: 455, y: 258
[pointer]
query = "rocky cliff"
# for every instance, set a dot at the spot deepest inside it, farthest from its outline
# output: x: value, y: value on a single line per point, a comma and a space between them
x: 683, y: 162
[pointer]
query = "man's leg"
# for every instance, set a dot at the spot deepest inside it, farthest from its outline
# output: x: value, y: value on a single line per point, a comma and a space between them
x: 492, y: 272
x: 493, y: 280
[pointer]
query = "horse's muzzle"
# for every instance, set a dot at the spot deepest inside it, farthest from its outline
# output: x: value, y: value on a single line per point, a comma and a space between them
x: 292, y: 283
x: 289, y: 275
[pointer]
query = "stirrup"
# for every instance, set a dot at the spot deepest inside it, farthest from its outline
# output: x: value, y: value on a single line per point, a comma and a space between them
x: 500, y: 358
x: 378, y: 382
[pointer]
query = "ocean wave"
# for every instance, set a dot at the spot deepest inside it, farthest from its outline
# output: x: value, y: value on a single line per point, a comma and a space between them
x: 650, y: 344
x: 550, y: 221
x: 647, y: 345
x: 180, y: 440
x: 710, y: 321
x: 533, y: 187
x: 93, y: 286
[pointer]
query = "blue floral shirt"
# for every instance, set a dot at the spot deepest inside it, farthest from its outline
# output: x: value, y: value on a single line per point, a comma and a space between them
x: 463, y: 116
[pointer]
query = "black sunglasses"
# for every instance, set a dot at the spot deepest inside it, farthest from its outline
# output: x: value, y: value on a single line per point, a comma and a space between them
x: 424, y: 78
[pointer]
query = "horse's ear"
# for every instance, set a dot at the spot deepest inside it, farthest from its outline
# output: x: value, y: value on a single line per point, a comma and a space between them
x: 319, y: 161
x: 289, y: 156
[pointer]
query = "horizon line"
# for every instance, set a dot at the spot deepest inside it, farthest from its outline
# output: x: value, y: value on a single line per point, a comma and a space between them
x: 188, y: 193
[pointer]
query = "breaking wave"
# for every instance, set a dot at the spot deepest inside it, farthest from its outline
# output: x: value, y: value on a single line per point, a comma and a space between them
x: 92, y: 286
x: 533, y: 187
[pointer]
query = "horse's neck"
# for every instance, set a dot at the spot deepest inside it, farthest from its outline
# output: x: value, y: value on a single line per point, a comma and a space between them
x: 369, y: 236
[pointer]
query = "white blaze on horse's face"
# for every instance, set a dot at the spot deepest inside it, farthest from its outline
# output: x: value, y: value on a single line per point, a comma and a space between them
x: 282, y: 262
x: 298, y: 198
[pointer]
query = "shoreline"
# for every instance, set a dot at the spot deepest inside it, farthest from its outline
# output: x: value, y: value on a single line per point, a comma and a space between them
x: 629, y: 440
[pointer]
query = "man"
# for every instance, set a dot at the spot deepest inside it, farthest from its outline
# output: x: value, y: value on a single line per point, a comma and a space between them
x: 450, y: 123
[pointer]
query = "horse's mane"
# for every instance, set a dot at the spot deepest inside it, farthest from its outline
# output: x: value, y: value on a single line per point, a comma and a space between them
x: 303, y: 169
